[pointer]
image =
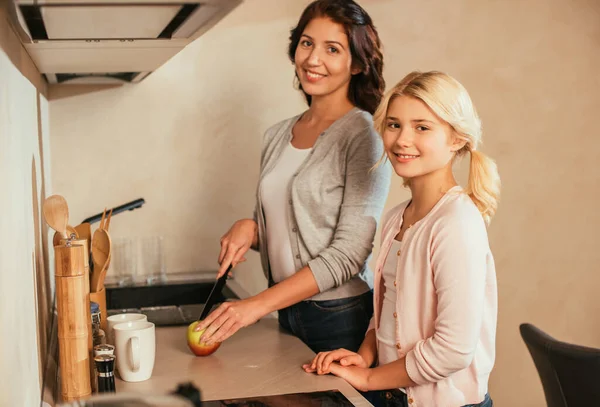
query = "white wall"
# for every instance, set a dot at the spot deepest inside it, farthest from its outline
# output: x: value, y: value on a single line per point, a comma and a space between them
x: 25, y: 284
x: 187, y: 139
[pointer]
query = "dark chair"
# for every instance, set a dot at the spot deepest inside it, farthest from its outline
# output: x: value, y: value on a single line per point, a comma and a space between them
x: 570, y: 373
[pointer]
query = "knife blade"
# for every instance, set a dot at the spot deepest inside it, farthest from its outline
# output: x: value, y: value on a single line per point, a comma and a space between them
x: 214, y: 294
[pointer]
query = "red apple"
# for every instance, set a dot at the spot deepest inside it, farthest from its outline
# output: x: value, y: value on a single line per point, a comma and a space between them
x: 193, y: 341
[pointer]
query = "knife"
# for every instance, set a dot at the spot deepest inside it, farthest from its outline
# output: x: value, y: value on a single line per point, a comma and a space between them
x: 214, y: 294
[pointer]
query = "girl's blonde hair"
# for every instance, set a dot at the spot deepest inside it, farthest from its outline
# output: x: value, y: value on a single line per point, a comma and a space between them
x: 450, y: 101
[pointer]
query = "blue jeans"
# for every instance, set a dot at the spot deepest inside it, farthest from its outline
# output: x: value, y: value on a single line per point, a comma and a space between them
x: 330, y: 325
x: 396, y: 398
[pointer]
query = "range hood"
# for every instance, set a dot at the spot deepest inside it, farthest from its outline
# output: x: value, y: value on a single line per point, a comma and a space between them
x: 106, y: 42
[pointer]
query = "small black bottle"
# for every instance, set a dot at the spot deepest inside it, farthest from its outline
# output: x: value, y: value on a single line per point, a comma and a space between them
x: 105, y: 373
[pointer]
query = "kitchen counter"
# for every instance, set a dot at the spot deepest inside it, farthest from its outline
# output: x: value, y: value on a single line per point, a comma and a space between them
x: 257, y: 361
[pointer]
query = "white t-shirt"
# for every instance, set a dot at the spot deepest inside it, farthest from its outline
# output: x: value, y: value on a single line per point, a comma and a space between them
x: 275, y: 195
x: 386, y: 334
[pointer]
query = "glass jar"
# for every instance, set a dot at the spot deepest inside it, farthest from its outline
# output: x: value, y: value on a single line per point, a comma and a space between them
x: 98, y: 335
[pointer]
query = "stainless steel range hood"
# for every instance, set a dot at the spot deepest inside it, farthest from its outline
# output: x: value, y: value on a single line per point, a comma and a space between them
x: 85, y: 41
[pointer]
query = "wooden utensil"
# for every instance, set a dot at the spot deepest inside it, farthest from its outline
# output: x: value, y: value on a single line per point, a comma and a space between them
x: 98, y: 277
x: 107, y: 223
x: 103, y: 219
x: 56, y: 214
x: 84, y: 231
x: 101, y: 245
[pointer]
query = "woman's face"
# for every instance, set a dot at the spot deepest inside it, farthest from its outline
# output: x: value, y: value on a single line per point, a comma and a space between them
x: 323, y: 59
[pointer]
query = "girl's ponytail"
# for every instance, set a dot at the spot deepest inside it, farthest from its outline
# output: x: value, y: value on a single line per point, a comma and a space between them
x: 483, y: 186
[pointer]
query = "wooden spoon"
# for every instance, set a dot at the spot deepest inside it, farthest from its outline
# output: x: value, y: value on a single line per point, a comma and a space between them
x: 56, y: 214
x: 99, y: 273
x: 101, y: 257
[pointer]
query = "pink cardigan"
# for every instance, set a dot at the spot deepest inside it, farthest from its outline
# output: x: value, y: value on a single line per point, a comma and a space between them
x: 447, y: 302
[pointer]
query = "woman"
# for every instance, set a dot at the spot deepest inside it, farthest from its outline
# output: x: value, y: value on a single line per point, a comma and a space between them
x: 436, y: 303
x: 318, y: 202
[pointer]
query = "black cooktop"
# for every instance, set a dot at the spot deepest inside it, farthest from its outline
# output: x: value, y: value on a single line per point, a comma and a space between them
x: 331, y: 398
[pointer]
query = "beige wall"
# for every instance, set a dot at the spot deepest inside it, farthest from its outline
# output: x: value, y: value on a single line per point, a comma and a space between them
x: 26, y: 281
x: 187, y: 139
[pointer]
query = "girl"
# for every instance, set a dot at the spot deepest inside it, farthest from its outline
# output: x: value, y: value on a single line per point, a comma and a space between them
x: 317, y: 203
x: 433, y: 331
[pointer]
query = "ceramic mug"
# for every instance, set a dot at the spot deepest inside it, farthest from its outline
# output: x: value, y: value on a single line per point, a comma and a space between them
x: 118, y: 319
x: 135, y: 349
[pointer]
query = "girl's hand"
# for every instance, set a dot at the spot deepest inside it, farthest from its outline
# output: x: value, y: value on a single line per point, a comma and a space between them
x: 235, y: 243
x: 228, y: 318
x: 357, y: 377
x: 322, y: 362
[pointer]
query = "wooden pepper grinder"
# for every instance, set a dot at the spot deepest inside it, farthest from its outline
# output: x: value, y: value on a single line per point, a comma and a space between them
x: 86, y: 269
x: 73, y: 307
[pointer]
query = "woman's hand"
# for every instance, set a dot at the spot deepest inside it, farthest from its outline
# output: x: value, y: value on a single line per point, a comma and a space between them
x: 322, y: 362
x: 228, y: 318
x: 236, y: 242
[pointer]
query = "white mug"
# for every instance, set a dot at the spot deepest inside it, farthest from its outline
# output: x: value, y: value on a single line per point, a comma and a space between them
x: 118, y: 319
x: 135, y: 348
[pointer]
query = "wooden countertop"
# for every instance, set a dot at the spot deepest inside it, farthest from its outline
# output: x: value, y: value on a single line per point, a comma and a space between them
x: 257, y: 361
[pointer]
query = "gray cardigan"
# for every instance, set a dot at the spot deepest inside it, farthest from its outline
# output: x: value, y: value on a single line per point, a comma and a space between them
x: 336, y: 202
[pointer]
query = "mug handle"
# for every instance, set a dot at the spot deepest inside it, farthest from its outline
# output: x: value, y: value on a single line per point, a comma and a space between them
x: 135, y: 352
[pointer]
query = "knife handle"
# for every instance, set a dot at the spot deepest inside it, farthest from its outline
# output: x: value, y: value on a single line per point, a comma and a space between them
x: 224, y: 276
x: 221, y: 281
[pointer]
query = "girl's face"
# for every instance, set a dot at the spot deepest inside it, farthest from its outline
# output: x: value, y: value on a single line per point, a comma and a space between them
x: 323, y: 59
x: 416, y: 140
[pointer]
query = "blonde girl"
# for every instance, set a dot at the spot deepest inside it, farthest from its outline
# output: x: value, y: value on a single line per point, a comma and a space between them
x: 431, y: 341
